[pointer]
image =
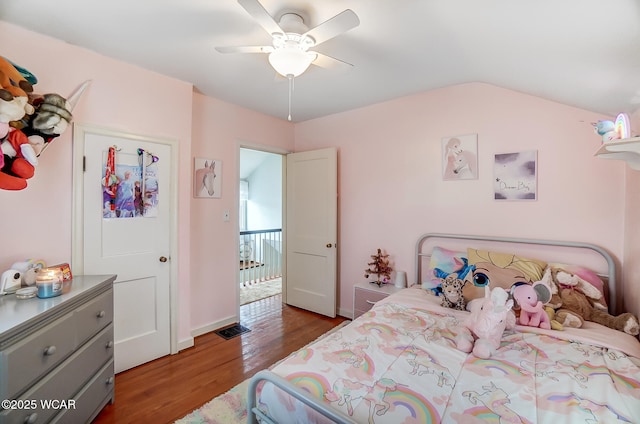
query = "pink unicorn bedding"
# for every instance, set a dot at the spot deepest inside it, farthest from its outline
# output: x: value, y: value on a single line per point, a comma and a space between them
x: 398, y: 364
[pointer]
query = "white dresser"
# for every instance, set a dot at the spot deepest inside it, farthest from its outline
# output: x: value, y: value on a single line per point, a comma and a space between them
x: 56, y: 354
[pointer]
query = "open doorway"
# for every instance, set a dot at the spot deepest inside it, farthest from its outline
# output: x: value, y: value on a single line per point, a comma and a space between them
x: 260, y: 225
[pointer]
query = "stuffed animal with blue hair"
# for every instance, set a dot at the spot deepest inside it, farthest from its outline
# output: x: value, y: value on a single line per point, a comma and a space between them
x: 606, y: 129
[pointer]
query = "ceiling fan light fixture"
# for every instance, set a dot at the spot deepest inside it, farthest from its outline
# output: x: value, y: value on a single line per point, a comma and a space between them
x: 290, y: 60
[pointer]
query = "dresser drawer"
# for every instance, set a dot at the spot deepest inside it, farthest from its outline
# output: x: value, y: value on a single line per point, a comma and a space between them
x: 63, y: 382
x: 27, y: 360
x: 94, y: 316
x: 364, y: 299
x: 91, y: 399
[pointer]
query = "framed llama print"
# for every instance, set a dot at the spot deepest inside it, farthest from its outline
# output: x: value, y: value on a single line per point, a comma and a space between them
x: 460, y: 157
x: 515, y: 176
x: 207, y: 178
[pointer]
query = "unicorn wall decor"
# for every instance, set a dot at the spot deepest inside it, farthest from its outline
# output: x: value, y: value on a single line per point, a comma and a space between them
x: 207, y: 178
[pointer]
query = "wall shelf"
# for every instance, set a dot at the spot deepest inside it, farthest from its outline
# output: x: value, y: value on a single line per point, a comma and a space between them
x: 627, y: 149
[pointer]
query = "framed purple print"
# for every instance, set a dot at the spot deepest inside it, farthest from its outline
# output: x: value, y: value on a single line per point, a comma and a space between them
x: 515, y: 176
x: 460, y: 157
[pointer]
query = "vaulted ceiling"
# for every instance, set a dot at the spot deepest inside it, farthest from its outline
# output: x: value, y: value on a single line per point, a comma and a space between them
x: 584, y: 53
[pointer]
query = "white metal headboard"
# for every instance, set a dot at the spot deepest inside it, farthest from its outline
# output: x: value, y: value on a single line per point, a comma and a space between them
x: 548, y: 250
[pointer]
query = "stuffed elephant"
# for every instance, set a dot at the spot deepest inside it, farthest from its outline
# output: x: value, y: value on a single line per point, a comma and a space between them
x: 531, y: 298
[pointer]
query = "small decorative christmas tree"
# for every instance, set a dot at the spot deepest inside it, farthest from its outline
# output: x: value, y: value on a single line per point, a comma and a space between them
x: 380, y: 267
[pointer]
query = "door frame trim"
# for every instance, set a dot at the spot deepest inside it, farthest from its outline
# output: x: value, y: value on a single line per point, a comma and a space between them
x: 77, y: 210
x: 243, y: 144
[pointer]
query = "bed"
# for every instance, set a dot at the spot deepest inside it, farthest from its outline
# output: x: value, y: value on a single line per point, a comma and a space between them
x: 398, y: 363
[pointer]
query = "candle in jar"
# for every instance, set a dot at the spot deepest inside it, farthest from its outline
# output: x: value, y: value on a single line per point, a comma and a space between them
x: 49, y: 283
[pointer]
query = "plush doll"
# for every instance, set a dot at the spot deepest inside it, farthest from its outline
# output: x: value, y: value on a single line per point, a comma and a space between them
x: 10, y: 138
x: 50, y: 119
x: 531, y: 299
x: 606, y: 129
x: 12, y: 81
x: 483, y: 329
x: 452, y: 292
x: 551, y: 313
x: 575, y: 300
x: 14, y: 105
x: 461, y: 269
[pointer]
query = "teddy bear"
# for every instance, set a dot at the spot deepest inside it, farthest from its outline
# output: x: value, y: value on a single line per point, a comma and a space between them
x: 452, y: 292
x: 575, y: 300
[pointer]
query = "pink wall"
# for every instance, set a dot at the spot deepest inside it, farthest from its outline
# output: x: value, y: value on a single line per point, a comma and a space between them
x: 392, y: 147
x: 632, y: 232
x: 390, y: 184
x: 218, y: 130
x: 37, y: 221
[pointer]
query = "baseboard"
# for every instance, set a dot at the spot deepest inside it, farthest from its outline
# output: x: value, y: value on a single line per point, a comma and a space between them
x: 185, y: 344
x: 347, y: 313
x: 213, y: 326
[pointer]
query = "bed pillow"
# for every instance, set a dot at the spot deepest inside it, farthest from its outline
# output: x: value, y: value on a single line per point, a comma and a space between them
x: 443, y: 262
x: 497, y: 269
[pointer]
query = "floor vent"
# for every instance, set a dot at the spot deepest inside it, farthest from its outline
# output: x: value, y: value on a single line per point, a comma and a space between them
x: 232, y: 331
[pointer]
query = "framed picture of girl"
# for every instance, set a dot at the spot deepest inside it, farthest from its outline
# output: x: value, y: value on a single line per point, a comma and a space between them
x: 460, y: 157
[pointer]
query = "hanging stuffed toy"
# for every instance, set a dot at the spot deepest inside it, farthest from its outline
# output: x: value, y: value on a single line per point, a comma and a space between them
x: 30, y: 134
x: 52, y: 117
x: 14, y: 105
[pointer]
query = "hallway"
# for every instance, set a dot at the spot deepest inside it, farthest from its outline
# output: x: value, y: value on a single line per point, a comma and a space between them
x: 263, y: 289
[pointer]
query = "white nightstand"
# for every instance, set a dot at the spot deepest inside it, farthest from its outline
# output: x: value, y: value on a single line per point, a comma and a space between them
x: 366, y: 294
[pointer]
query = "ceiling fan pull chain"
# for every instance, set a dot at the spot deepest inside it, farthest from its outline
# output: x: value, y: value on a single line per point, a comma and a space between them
x: 290, y: 77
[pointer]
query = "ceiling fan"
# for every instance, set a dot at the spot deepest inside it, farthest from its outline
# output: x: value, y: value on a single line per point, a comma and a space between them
x: 290, y: 53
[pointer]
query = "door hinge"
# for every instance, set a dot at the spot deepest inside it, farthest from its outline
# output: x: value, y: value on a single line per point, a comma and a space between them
x: 84, y: 164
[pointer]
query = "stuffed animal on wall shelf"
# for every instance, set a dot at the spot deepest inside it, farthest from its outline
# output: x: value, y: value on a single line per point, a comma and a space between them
x: 606, y: 129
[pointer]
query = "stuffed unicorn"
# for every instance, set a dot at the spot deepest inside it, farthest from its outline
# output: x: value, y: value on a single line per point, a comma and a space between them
x: 490, y: 316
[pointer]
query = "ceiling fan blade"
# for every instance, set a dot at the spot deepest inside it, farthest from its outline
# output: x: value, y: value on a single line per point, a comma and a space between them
x: 260, y: 14
x: 342, y: 22
x: 245, y: 49
x: 324, y: 61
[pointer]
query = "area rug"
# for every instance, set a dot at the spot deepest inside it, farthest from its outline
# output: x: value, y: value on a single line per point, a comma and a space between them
x: 260, y: 290
x: 231, y: 407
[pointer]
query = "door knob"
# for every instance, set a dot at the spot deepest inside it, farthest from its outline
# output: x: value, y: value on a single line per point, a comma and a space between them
x: 329, y: 245
x: 163, y: 259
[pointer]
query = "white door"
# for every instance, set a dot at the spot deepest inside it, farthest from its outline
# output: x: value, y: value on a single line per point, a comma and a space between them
x: 312, y: 185
x: 132, y: 241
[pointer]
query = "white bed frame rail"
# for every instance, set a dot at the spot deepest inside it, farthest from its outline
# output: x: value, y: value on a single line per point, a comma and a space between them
x: 267, y: 376
x: 427, y: 241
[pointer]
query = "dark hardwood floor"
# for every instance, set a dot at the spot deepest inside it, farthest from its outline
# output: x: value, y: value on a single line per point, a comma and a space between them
x: 168, y: 388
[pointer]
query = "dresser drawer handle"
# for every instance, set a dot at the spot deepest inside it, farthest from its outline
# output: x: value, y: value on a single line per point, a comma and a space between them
x: 49, y: 350
x: 31, y: 418
x: 370, y: 302
x: 109, y: 381
x: 100, y: 314
x: 109, y: 344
